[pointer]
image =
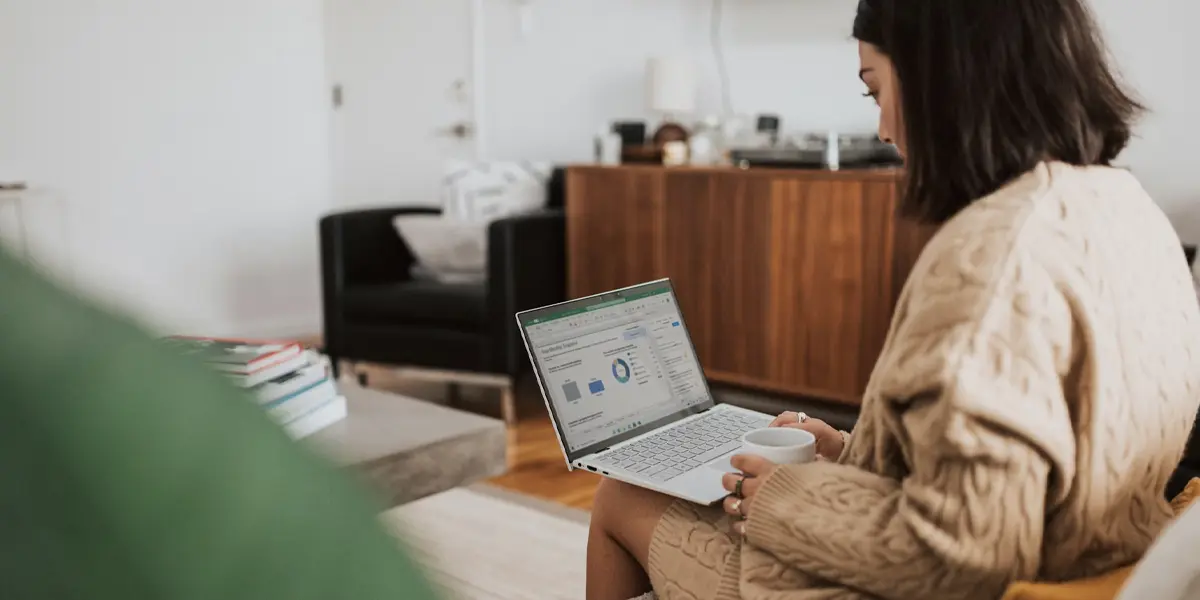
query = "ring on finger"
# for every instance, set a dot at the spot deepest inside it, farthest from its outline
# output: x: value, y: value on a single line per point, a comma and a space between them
x: 801, y: 417
x: 736, y: 506
x: 737, y: 487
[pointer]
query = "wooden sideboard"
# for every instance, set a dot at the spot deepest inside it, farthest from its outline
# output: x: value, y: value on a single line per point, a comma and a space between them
x: 787, y: 279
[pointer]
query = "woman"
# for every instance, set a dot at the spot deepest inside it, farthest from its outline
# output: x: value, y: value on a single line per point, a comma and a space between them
x: 1037, y: 385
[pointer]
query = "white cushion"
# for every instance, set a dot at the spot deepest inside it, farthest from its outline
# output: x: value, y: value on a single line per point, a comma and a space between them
x: 445, y: 250
x: 452, y: 247
x: 486, y: 191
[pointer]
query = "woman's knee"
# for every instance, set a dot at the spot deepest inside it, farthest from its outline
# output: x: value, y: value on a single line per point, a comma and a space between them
x: 611, y: 495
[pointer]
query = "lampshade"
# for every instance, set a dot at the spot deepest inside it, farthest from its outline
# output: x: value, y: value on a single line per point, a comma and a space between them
x: 671, y: 84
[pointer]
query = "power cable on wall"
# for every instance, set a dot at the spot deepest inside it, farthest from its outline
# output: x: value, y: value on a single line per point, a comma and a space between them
x: 718, y: 49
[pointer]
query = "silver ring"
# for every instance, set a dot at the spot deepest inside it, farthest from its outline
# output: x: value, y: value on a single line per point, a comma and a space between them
x: 801, y: 417
x: 737, y: 505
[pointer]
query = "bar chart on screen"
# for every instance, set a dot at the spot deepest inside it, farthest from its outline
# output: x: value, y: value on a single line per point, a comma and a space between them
x: 571, y: 391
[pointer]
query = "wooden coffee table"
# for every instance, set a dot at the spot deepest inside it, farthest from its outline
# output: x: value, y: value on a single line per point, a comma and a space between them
x: 408, y: 448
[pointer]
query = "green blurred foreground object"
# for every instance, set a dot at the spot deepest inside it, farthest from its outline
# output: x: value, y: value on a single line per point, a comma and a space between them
x: 127, y: 472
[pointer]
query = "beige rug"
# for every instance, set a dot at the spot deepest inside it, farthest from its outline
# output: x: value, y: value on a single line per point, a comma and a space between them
x: 485, y: 543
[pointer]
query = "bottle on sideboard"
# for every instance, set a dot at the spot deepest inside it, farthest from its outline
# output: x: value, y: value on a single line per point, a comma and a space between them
x: 608, y: 148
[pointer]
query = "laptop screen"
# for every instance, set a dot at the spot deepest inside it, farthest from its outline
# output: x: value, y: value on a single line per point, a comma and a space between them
x: 615, y: 365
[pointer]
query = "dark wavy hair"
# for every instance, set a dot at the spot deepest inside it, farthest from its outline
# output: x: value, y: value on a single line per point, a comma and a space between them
x: 990, y: 88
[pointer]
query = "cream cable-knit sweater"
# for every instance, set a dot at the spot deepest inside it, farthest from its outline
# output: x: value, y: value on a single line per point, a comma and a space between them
x: 1034, y: 395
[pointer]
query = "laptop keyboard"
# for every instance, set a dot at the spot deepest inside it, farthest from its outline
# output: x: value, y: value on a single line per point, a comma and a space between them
x: 673, y: 452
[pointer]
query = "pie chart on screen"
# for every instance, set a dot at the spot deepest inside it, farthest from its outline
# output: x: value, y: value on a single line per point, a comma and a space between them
x: 620, y: 370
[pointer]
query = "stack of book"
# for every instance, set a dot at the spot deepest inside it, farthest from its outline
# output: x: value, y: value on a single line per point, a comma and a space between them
x: 292, y: 384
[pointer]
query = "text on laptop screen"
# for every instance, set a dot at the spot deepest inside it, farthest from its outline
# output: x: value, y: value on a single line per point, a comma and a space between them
x: 613, y: 365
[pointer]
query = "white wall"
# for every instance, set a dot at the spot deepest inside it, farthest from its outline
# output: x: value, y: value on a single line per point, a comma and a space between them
x: 189, y: 142
x: 1156, y: 54
x: 582, y: 67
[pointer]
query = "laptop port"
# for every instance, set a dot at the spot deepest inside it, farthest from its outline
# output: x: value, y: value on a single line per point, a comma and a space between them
x: 591, y: 468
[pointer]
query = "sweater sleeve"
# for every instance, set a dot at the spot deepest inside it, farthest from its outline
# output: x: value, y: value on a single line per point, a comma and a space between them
x: 960, y: 528
x: 985, y: 440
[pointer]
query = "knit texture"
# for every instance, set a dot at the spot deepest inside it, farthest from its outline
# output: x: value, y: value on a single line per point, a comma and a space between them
x: 1034, y: 395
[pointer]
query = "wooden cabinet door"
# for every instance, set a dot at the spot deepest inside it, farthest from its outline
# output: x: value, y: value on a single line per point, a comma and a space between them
x: 832, y: 287
x: 787, y: 280
x: 717, y: 252
x: 786, y: 283
x: 614, y: 223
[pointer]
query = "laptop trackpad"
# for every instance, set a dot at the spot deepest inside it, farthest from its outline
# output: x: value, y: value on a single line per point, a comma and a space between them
x: 722, y: 464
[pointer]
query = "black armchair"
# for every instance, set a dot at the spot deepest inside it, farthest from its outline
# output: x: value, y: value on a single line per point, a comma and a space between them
x: 376, y: 312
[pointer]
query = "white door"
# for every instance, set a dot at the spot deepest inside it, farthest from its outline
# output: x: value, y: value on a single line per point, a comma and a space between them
x: 401, y: 77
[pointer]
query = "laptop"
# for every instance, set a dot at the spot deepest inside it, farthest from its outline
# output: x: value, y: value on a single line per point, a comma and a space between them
x: 627, y: 394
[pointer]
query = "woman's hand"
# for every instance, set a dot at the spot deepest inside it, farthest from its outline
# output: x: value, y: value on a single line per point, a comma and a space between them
x: 754, y: 471
x: 829, y: 440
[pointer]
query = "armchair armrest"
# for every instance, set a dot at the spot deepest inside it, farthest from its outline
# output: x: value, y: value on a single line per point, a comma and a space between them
x: 360, y: 246
x: 526, y: 269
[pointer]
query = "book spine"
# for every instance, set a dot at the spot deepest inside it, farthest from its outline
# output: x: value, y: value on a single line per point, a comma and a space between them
x: 327, y: 414
x: 301, y: 404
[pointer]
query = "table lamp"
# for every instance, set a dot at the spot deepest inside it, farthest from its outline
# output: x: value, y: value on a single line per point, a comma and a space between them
x: 671, y: 86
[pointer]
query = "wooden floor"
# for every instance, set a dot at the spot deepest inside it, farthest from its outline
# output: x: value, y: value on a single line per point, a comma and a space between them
x: 537, y: 467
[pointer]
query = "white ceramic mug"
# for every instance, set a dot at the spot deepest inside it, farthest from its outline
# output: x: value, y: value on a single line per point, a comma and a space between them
x: 781, y: 445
